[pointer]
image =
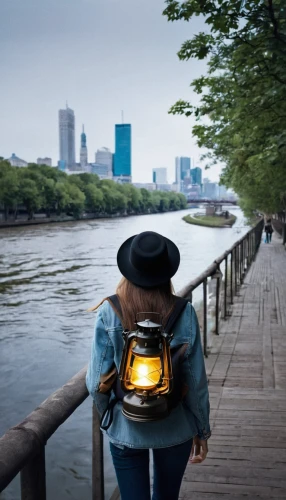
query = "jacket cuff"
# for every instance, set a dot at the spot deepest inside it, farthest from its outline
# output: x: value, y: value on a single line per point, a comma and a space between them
x: 204, y: 434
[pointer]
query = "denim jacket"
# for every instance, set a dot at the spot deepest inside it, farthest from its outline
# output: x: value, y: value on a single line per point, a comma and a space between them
x: 188, y: 419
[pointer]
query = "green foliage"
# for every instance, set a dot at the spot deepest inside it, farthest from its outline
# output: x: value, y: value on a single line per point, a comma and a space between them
x: 210, y: 221
x: 9, y: 187
x: 46, y: 189
x: 242, y: 111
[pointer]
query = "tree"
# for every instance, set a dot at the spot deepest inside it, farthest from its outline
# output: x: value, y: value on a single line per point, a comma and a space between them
x: 40, y: 187
x: 61, y: 197
x: 242, y: 110
x: 29, y: 196
x: 9, y: 188
x: 132, y: 196
x: 93, y: 198
x: 49, y: 195
x: 89, y: 178
x: 76, y: 200
x: 146, y: 200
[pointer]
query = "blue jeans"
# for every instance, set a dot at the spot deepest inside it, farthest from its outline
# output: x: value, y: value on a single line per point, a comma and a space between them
x: 268, y: 237
x: 132, y: 471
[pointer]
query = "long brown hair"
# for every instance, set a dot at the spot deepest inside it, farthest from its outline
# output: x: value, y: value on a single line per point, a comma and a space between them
x: 134, y: 299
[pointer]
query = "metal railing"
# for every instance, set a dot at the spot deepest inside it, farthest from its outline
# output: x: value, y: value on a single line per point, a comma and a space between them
x: 236, y: 262
x: 22, y: 448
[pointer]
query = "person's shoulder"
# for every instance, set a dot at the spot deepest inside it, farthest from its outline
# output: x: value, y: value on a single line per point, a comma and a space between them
x: 186, y: 313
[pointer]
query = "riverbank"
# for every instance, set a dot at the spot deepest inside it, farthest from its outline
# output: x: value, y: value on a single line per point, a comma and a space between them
x: 210, y: 221
x: 59, y: 219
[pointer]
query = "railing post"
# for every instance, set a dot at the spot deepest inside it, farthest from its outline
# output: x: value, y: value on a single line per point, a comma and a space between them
x: 225, y: 289
x: 33, y: 478
x: 217, y: 306
x: 284, y: 234
x: 252, y: 245
x: 231, y: 277
x: 248, y: 251
x: 97, y: 458
x: 240, y: 263
x: 235, y: 270
x: 245, y: 256
x: 242, y: 260
x: 205, y: 332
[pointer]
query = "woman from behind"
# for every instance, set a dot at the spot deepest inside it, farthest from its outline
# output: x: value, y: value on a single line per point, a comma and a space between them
x: 147, y: 262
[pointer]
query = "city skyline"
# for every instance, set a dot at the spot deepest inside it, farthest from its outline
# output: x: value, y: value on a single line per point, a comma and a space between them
x: 61, y: 57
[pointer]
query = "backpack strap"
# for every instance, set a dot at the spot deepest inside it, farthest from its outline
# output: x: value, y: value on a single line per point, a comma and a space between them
x: 116, y: 386
x: 179, y: 306
x: 115, y: 304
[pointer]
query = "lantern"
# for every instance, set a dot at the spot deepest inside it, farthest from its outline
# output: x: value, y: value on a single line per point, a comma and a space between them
x: 146, y: 370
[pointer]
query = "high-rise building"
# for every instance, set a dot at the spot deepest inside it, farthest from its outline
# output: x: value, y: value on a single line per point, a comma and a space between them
x: 194, y: 191
x: 101, y: 170
x: 83, y: 150
x: 44, y: 161
x: 67, y: 137
x: 150, y: 186
x: 160, y: 175
x: 210, y: 189
x: 196, y: 176
x: 183, y: 169
x: 164, y: 187
x: 104, y: 156
x: 17, y: 162
x: 122, y: 155
x: 222, y: 192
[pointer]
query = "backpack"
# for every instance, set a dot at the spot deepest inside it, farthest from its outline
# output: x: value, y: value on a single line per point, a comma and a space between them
x: 268, y: 228
x: 177, y: 355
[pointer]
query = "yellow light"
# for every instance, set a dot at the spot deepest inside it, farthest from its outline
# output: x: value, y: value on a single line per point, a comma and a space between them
x: 145, y: 372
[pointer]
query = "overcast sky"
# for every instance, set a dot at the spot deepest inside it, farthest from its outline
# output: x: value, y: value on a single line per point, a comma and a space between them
x: 102, y: 56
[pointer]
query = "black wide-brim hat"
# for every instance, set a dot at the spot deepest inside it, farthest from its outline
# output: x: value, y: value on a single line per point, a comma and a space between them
x: 148, y: 259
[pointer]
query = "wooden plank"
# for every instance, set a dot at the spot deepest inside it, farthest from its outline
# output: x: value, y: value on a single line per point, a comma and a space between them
x: 247, y: 383
x: 252, y: 491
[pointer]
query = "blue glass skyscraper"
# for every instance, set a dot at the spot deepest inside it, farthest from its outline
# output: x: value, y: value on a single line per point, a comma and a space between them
x: 183, y: 168
x: 196, y: 175
x: 122, y: 156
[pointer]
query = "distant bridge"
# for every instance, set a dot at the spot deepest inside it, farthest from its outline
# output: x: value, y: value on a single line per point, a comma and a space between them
x: 200, y: 201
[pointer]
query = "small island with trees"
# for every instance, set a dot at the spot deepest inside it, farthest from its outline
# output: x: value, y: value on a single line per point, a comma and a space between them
x: 48, y: 191
x: 222, y: 220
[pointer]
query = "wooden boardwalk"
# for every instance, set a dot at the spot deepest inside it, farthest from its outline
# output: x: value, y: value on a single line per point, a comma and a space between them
x: 247, y: 379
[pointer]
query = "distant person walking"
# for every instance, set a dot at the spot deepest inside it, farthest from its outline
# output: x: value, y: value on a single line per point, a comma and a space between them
x: 268, y: 231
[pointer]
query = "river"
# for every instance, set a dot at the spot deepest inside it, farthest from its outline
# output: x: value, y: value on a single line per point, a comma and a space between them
x: 49, y: 276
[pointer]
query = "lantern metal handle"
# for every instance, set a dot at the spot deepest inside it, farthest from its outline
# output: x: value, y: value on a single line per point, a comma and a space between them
x: 128, y: 338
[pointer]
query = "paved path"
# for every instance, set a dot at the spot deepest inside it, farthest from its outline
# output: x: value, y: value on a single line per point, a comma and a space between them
x: 247, y: 378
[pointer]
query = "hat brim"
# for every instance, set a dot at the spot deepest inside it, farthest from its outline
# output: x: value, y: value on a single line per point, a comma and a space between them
x: 145, y: 278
